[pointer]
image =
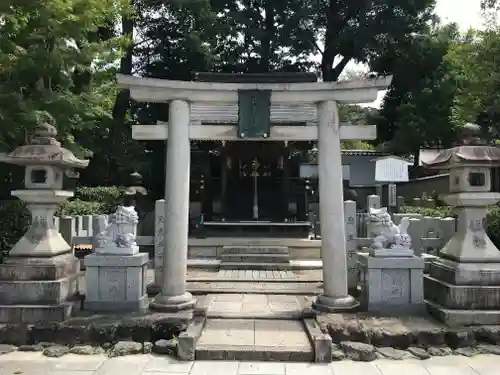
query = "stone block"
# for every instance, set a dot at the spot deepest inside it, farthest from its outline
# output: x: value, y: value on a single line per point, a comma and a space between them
x: 38, y: 289
x: 481, y: 297
x: 391, y: 285
x: 116, y: 283
x: 31, y: 314
x: 457, y: 273
x: 26, y: 269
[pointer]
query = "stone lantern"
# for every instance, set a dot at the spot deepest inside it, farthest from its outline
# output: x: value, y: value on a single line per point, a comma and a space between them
x: 38, y: 280
x: 463, y: 285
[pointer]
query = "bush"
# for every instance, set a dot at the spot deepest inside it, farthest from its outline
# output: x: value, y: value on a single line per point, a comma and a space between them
x: 78, y: 207
x: 492, y: 218
x: 15, y: 220
x: 442, y: 211
x: 91, y: 201
x: 108, y: 196
x: 493, y: 222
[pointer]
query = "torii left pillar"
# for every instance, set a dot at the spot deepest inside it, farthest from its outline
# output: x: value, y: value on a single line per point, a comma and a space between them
x: 173, y: 295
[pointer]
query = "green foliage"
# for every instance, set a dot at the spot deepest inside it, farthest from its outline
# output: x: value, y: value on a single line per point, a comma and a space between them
x: 78, y: 207
x: 91, y: 201
x: 492, y: 218
x: 55, y: 65
x: 108, y: 195
x: 417, y: 111
x: 15, y: 219
x: 493, y: 222
x: 442, y: 211
x: 477, y: 68
x: 356, y: 145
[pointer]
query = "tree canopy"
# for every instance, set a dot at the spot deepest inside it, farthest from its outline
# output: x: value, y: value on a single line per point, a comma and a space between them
x: 58, y: 60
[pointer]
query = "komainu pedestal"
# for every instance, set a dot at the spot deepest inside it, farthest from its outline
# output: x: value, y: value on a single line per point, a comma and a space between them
x: 391, y: 275
x: 116, y: 275
x: 39, y: 278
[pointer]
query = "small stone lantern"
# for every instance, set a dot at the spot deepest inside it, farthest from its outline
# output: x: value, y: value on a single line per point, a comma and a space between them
x: 45, y: 162
x: 39, y: 278
x: 463, y: 285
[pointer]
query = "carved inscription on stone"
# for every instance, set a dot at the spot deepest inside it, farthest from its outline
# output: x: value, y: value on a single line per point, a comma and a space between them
x: 351, y: 242
x: 477, y: 226
x: 159, y: 240
x: 395, y: 286
x: 112, y: 288
x: 38, y: 229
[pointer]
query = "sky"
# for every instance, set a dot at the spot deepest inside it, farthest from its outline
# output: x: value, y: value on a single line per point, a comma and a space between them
x: 466, y: 13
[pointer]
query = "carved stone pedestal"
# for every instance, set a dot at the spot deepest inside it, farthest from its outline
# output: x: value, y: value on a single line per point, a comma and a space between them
x: 116, y: 282
x: 392, y: 284
x: 463, y: 293
x: 38, y: 289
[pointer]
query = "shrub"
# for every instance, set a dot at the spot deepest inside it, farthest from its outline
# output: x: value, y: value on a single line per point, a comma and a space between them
x: 441, y: 211
x: 78, y: 207
x: 15, y: 220
x: 492, y: 218
x: 109, y: 196
x: 493, y: 222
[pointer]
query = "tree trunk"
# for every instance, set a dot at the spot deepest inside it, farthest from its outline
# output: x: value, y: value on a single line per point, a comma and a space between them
x: 122, y: 99
x: 266, y: 54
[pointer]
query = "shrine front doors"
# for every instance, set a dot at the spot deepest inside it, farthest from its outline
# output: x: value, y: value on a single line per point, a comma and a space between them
x: 255, y: 189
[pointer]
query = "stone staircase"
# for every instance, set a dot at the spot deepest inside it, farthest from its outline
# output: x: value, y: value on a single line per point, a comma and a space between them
x: 255, y: 258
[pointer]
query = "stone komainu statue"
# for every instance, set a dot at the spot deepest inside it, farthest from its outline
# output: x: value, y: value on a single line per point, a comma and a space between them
x: 121, y: 232
x: 387, y: 234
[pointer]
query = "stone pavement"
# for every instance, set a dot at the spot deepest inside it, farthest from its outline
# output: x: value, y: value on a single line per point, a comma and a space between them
x: 24, y: 363
x: 255, y: 306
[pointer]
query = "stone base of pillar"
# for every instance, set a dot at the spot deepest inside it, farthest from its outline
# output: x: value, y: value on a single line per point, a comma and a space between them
x: 335, y: 304
x: 463, y: 293
x: 38, y: 289
x: 163, y: 303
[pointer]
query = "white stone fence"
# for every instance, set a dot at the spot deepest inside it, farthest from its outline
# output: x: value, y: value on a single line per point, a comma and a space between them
x: 429, y: 234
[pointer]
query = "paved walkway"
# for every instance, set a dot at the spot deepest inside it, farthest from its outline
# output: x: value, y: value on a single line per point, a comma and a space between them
x: 19, y: 363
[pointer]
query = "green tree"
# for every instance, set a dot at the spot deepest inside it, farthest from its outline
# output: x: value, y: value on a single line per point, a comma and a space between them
x: 44, y: 45
x: 360, y: 30
x: 477, y: 68
x: 417, y: 109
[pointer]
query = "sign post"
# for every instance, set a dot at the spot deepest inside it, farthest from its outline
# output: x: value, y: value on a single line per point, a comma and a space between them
x: 391, y: 169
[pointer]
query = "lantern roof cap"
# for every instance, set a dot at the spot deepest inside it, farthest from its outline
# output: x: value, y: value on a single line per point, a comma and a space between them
x: 44, y: 149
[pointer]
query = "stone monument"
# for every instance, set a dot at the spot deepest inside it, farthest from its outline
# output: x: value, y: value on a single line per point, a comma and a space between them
x: 391, y: 275
x: 38, y: 280
x: 463, y: 285
x: 116, y: 276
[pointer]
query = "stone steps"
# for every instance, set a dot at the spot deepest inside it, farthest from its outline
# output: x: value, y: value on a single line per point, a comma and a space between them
x: 254, y: 340
x: 255, y: 250
x: 254, y: 266
x: 231, y: 287
x: 255, y: 258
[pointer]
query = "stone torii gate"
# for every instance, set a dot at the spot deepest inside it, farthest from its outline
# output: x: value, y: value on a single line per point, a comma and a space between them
x: 183, y: 96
